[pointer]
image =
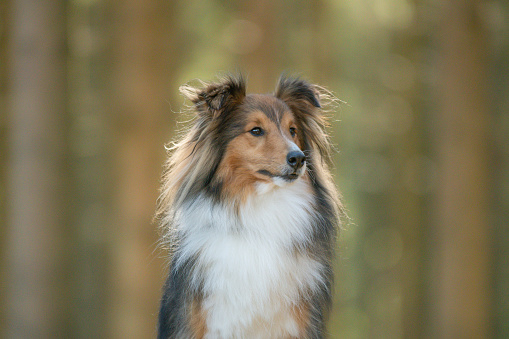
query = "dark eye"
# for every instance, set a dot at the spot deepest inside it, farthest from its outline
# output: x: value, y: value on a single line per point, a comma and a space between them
x: 257, y: 131
x: 293, y: 131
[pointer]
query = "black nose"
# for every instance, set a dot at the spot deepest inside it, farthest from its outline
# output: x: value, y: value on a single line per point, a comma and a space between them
x: 295, y: 159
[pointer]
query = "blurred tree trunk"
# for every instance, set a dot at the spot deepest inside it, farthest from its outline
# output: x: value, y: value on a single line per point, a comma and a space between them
x: 89, y: 157
x: 139, y: 94
x: 408, y: 193
x: 4, y: 10
x: 462, y: 280
x: 37, y: 298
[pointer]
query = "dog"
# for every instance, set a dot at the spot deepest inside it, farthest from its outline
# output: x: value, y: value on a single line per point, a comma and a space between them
x: 250, y: 214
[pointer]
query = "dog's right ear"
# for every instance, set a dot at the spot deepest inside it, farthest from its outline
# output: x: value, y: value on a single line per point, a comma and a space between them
x: 215, y: 98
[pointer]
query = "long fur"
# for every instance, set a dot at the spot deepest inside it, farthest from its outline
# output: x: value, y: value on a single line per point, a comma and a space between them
x: 250, y: 251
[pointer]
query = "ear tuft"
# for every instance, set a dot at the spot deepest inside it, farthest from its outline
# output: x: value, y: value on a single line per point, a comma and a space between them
x: 189, y: 92
x: 216, y: 97
x: 293, y: 90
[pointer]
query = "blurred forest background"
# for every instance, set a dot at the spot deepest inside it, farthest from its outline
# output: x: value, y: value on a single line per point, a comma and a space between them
x: 89, y: 96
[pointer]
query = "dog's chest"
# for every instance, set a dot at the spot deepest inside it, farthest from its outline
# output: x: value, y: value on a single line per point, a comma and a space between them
x: 251, y: 275
x: 250, y: 288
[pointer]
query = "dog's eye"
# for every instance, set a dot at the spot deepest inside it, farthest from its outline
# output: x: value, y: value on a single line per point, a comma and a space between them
x: 257, y: 131
x: 293, y: 131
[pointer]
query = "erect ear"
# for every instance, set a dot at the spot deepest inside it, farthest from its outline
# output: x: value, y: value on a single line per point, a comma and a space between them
x: 296, y: 92
x: 214, y: 98
x: 304, y: 100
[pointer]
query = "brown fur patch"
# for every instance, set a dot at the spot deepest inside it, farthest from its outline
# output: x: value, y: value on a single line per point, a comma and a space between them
x: 298, y: 314
x: 198, y: 319
x: 301, y: 315
x: 247, y: 154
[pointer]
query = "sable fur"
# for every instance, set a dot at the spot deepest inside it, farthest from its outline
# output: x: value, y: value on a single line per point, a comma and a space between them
x: 195, y: 178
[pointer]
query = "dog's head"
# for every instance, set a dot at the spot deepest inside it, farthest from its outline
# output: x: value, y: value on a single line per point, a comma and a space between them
x: 244, y: 141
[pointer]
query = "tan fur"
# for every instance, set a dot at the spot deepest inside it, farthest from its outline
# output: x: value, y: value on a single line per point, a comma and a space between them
x: 247, y: 154
x: 301, y: 315
x: 198, y: 320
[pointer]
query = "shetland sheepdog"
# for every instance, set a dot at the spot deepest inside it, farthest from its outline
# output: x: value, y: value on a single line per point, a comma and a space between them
x: 249, y: 212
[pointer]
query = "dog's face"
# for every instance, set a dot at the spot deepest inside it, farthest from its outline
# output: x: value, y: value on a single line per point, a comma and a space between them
x: 249, y: 141
x: 268, y: 147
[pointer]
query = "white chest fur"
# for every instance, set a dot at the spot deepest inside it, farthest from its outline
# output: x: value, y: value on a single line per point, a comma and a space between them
x: 251, y: 274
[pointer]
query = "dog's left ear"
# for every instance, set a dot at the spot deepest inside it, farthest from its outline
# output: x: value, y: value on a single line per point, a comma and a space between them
x: 306, y: 101
x: 214, y: 98
x: 297, y: 93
